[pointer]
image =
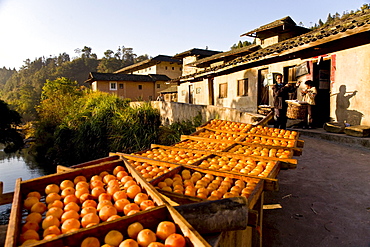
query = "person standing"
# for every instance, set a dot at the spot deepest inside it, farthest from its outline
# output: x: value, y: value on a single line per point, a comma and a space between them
x: 281, y: 92
x: 309, y: 95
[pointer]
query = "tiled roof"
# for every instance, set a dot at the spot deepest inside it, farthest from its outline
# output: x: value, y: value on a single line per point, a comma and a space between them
x: 148, y: 62
x: 197, y: 52
x: 357, y: 23
x: 96, y: 76
x: 227, y: 55
x: 283, y: 21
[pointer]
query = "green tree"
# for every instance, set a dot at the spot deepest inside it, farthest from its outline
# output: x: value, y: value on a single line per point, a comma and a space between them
x: 9, y: 134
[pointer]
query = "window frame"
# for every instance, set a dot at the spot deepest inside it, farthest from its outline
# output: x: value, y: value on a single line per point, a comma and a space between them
x: 242, y: 87
x: 222, y: 90
x: 111, y: 86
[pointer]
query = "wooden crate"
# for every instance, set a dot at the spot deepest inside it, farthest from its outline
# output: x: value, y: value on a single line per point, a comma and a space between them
x: 22, y: 188
x: 257, y: 185
x: 218, y: 124
x: 149, y: 219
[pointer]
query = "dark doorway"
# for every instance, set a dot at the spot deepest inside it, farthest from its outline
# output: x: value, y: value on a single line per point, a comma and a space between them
x: 191, y: 94
x: 210, y: 91
x: 321, y: 73
x: 263, y: 91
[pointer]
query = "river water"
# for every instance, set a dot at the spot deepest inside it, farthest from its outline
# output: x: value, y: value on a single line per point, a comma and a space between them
x: 20, y: 164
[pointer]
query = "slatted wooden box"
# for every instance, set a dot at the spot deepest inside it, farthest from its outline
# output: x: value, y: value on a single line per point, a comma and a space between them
x: 22, y: 188
x: 149, y: 219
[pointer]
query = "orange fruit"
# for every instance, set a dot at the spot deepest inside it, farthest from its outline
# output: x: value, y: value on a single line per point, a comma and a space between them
x: 118, y: 169
x: 55, y: 211
x: 103, y: 203
x: 90, y: 242
x: 95, y: 192
x: 113, y: 238
x: 52, y: 197
x: 132, y: 212
x: 70, y: 224
x: 95, y: 177
x: 113, y: 182
x: 156, y: 244
x: 145, y: 237
x: 113, y: 189
x: 140, y: 197
x: 82, y: 184
x: 120, y: 204
x: 52, y: 230
x: 119, y: 195
x: 134, y: 229
x: 128, y: 184
x: 36, y: 217
x: 129, y: 207
x: 88, y: 210
x: 132, y: 191
x: 175, y: 240
x: 71, y: 214
x: 164, y: 229
x: 52, y: 188
x: 39, y: 207
x: 89, y: 203
x: 146, y: 203
x: 65, y: 184
x: 80, y: 191
x: 96, y: 183
x: 108, y: 178
x: 67, y: 191
x: 121, y: 174
x: 84, y: 197
x: 128, y: 243
x: 50, y: 220
x: 29, y: 242
x: 34, y: 194
x: 29, y: 202
x: 79, y: 179
x: 90, y: 218
x: 71, y: 206
x: 30, y: 225
x: 126, y: 178
x: 29, y: 234
x: 50, y: 236
x: 106, y: 212
x: 113, y: 217
x: 70, y: 198
x: 56, y: 203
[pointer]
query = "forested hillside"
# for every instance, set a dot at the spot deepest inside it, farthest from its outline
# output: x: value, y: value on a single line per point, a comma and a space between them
x: 22, y: 89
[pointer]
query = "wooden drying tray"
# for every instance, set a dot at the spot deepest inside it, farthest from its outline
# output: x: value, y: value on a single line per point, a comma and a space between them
x: 22, y: 188
x: 271, y: 183
x: 297, y: 151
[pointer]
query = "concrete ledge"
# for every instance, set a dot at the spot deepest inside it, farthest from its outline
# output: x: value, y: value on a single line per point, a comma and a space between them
x: 341, y: 138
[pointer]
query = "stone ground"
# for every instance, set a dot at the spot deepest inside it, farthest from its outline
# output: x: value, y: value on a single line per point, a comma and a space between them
x: 325, y: 201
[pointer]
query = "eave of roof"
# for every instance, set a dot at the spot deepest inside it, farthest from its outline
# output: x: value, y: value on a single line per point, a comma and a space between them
x: 149, y: 62
x: 283, y: 21
x: 196, y: 52
x: 96, y: 76
x: 357, y: 23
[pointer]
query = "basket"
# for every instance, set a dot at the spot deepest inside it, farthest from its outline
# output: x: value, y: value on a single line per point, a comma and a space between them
x: 296, y: 110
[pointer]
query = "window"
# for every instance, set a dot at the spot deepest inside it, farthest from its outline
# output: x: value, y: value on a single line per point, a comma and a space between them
x: 223, y: 90
x: 173, y: 68
x: 198, y: 90
x: 290, y: 74
x: 243, y: 87
x: 166, y: 67
x: 158, y: 85
x: 120, y: 86
x: 140, y: 87
x: 113, y: 86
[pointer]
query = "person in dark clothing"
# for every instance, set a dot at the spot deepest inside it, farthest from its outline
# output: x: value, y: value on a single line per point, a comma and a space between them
x: 281, y: 92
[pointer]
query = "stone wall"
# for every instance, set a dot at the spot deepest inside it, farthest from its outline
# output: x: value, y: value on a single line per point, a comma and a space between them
x: 177, y: 112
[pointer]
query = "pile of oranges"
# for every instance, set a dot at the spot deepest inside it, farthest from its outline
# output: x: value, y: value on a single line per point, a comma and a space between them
x: 261, y: 151
x: 220, y: 135
x: 207, y: 186
x: 149, y: 171
x: 79, y: 203
x: 273, y: 132
x: 136, y: 235
x: 173, y: 156
x: 217, y: 124
x: 199, y: 145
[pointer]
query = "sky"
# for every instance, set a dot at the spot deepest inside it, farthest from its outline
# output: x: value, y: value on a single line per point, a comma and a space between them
x: 37, y: 28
